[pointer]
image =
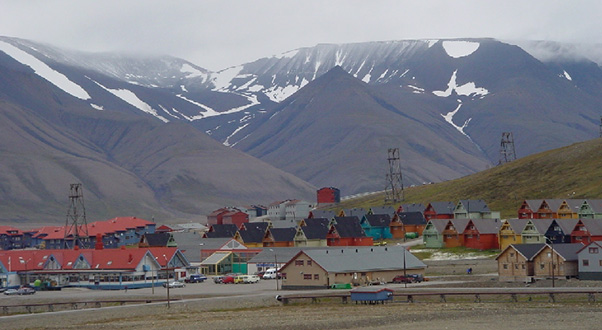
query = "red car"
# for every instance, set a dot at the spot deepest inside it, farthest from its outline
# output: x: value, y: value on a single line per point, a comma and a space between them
x: 403, y: 279
x: 228, y: 279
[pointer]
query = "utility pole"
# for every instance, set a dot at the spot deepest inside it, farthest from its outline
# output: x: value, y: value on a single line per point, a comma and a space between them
x: 76, y: 224
x: 394, y: 188
x: 507, y: 152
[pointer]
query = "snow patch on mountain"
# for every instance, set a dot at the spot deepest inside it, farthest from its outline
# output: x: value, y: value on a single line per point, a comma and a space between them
x: 96, y: 106
x: 467, y: 89
x: 567, y: 76
x: 130, y: 97
x: 227, y: 141
x: 43, y: 70
x: 457, y: 49
x: 222, y: 79
x: 278, y: 94
x: 289, y: 54
x: 449, y: 117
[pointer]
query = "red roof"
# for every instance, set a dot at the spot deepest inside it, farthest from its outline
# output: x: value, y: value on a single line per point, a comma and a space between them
x: 8, y: 230
x: 120, y: 224
x: 125, y: 259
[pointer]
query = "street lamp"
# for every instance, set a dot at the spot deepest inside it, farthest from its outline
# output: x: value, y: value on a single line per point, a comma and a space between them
x: 552, y: 245
x: 275, y: 267
x: 167, y: 278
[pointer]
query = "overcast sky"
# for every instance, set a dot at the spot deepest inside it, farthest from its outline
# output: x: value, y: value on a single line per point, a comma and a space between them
x: 219, y: 34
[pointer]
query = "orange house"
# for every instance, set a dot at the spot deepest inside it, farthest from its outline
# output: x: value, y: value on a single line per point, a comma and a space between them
x: 279, y: 237
x: 453, y: 232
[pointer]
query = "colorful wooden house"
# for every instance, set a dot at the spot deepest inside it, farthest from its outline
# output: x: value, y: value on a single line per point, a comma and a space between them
x: 529, y: 209
x: 549, y: 209
x: 587, y: 231
x: 482, y: 234
x: 252, y: 233
x: 590, y: 261
x: 279, y: 237
x: 474, y: 209
x: 432, y: 235
x: 535, y: 231
x: 560, y: 230
x: 347, y: 231
x: 312, y: 232
x: 569, y: 208
x: 328, y: 195
x: 413, y: 222
x: 377, y: 226
x: 515, y: 262
x: 591, y: 209
x: 510, y: 232
x: 559, y: 260
x: 439, y: 210
x: 452, y: 234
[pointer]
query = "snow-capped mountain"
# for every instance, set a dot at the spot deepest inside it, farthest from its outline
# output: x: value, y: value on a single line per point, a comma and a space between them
x: 468, y: 91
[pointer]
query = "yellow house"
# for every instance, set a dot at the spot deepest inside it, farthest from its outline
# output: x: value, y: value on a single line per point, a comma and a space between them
x: 312, y: 232
x: 510, y: 232
x: 569, y: 208
x: 251, y: 234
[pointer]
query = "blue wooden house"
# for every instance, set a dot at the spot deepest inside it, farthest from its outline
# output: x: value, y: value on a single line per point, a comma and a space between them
x: 371, y: 294
x: 377, y: 226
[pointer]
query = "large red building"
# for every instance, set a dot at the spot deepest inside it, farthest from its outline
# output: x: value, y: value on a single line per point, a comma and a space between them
x: 329, y: 195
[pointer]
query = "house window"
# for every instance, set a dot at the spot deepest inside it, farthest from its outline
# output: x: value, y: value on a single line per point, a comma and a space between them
x: 516, y: 266
x: 298, y: 262
x: 309, y: 262
x: 523, y: 266
x: 505, y: 266
x: 307, y: 276
x: 593, y: 250
x: 511, y: 254
x: 283, y: 275
x: 600, y: 263
x: 542, y: 266
x: 316, y: 276
x: 585, y: 262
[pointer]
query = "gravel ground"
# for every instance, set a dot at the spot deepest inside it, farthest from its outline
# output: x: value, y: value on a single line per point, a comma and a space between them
x: 212, y: 306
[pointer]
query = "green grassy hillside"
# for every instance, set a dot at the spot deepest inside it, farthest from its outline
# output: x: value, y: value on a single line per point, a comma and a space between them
x: 570, y: 172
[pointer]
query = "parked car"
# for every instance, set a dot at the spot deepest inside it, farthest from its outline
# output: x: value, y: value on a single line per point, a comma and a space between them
x: 218, y: 279
x: 10, y: 292
x: 239, y: 279
x: 174, y: 284
x: 26, y: 290
x: 271, y: 274
x: 403, y: 279
x: 417, y: 277
x: 196, y: 278
x: 250, y: 279
x: 227, y: 280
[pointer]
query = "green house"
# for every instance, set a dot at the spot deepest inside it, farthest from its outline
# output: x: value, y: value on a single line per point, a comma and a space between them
x: 535, y: 231
x: 591, y: 209
x: 432, y: 235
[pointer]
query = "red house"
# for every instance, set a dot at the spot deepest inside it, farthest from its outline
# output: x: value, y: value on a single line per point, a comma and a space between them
x: 482, y: 234
x: 235, y: 217
x: 587, y: 231
x: 347, y: 231
x: 452, y: 233
x: 529, y: 209
x: 329, y: 195
x: 215, y: 217
x: 439, y: 210
x: 549, y: 209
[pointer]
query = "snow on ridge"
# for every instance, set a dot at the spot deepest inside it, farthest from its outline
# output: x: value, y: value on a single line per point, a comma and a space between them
x: 43, y: 70
x: 289, y: 54
x: 227, y: 141
x: 449, y: 117
x: 191, y: 71
x: 467, y: 89
x: 567, y: 76
x: 278, y: 94
x: 432, y: 42
x: 222, y: 78
x: 131, y: 98
x: 97, y: 107
x: 457, y: 49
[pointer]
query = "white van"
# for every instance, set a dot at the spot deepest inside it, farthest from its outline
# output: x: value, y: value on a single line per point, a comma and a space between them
x: 269, y: 274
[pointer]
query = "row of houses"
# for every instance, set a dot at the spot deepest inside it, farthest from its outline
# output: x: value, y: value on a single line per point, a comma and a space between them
x: 560, y: 209
x: 324, y: 229
x: 92, y: 268
x: 525, y: 262
x: 113, y: 233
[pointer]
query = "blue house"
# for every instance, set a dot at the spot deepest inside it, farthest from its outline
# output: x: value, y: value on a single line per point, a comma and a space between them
x: 377, y: 226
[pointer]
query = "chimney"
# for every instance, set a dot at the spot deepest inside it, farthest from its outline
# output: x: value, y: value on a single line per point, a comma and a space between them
x: 99, y: 245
